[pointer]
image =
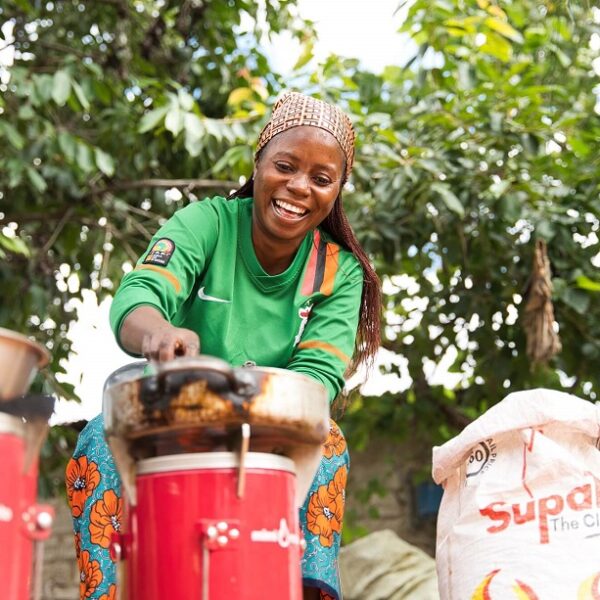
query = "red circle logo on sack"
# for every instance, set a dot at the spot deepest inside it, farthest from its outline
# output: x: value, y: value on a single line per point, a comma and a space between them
x: 521, y: 590
x: 482, y: 458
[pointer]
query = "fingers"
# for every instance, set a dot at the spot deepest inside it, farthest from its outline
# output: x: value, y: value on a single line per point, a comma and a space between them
x: 166, y: 344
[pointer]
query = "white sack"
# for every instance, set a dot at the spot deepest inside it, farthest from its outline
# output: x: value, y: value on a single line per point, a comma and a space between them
x: 520, y: 515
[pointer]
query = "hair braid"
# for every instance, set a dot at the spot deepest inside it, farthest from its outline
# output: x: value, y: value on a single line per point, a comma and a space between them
x: 368, y: 337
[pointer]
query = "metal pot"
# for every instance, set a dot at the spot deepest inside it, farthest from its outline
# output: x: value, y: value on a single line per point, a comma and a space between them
x: 194, y: 403
x: 20, y: 359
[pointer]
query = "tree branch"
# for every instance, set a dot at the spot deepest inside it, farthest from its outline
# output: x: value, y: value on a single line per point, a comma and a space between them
x: 56, y: 232
x: 188, y: 184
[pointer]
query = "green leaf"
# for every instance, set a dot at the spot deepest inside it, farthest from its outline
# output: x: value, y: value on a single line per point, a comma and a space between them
x: 579, y: 301
x: 38, y: 182
x: 579, y: 146
x: 15, y: 245
x: 44, y: 85
x: 152, y: 118
x: 306, y: 55
x: 503, y: 28
x: 68, y: 145
x: 26, y: 112
x: 585, y: 283
x: 497, y: 46
x: 186, y: 101
x: 80, y: 95
x: 174, y: 119
x: 14, y: 137
x: 61, y: 87
x: 193, y: 125
x: 105, y: 162
x: 84, y: 157
x: 102, y: 92
x: 449, y: 198
x: 239, y: 95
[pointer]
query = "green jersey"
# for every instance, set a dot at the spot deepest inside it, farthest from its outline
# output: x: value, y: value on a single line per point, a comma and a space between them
x: 201, y: 273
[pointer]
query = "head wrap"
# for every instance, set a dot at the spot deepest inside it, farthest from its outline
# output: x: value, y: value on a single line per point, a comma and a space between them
x: 294, y: 109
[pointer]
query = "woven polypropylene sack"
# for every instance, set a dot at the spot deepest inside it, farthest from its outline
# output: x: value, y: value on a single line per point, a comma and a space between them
x: 520, y: 515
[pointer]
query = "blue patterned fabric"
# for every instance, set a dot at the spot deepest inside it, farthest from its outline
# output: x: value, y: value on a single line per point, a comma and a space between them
x: 94, y: 493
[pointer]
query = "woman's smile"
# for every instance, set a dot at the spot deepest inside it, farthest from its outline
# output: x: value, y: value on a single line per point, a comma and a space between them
x: 288, y: 211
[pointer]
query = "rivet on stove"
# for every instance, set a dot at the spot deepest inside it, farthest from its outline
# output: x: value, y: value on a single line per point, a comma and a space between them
x: 222, y: 540
x: 44, y: 520
x: 222, y: 526
x: 211, y: 532
x: 234, y: 534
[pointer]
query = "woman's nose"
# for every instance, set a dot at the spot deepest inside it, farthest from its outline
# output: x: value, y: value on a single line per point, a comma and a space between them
x: 299, y: 184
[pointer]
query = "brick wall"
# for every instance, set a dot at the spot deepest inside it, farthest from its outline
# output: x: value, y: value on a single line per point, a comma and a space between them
x: 394, y: 465
x: 61, y: 576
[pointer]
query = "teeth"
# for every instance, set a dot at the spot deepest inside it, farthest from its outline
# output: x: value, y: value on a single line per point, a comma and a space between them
x: 290, y: 207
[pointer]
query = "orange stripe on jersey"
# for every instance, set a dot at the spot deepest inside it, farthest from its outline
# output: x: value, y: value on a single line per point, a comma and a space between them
x: 164, y: 272
x: 331, y: 267
x: 318, y: 345
x: 309, y: 277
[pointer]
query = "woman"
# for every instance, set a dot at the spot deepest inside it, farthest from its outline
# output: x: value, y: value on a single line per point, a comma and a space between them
x: 272, y: 276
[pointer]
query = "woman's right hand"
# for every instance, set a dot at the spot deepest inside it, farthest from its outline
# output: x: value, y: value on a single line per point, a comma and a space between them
x: 145, y: 331
x: 167, y: 343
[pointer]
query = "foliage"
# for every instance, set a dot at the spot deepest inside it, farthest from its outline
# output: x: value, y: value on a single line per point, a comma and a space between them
x: 486, y: 141
x: 108, y: 104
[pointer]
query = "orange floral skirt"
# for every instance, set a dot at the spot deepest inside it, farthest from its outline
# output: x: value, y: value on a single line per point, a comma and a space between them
x: 94, y: 495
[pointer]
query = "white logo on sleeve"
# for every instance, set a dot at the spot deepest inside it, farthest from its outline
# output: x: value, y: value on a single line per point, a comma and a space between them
x: 204, y: 296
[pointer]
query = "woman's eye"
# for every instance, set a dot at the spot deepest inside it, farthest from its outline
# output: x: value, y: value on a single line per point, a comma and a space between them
x: 323, y: 181
x: 283, y: 167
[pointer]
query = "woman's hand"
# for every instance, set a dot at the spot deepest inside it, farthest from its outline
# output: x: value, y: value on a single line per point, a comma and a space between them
x: 169, y: 342
x: 145, y: 331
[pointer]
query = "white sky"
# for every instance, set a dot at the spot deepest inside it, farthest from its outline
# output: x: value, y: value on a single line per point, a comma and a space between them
x: 361, y: 29
x: 352, y: 28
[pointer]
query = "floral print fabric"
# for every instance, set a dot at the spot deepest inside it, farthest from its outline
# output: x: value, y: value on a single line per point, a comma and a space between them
x: 94, y: 495
x: 321, y: 517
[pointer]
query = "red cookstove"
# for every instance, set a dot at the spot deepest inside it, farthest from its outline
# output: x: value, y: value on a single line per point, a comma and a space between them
x: 24, y: 523
x: 215, y: 463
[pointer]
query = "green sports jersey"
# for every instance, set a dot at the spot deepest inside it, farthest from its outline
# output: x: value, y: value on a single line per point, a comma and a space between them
x: 202, y: 273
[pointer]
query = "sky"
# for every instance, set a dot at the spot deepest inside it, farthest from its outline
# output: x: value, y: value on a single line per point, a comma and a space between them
x: 351, y: 28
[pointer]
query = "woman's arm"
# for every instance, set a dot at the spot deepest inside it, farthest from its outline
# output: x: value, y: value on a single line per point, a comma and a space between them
x: 145, y: 331
x: 150, y: 297
x: 327, y: 344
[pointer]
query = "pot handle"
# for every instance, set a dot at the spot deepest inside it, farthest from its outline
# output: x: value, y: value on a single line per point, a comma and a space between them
x: 221, y: 378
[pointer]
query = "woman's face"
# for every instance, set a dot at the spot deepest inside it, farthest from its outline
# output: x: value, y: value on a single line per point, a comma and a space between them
x: 297, y: 180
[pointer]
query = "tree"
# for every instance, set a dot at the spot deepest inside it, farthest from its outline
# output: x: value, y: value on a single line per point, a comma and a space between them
x: 484, y: 144
x: 107, y: 105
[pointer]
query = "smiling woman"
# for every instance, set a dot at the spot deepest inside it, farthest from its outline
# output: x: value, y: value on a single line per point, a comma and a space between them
x: 272, y: 276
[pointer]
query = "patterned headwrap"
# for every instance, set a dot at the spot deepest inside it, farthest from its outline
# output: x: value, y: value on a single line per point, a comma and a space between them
x: 294, y: 109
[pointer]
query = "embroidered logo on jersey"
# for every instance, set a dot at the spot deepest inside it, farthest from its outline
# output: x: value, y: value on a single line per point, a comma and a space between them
x: 204, y: 296
x: 303, y: 313
x: 160, y: 253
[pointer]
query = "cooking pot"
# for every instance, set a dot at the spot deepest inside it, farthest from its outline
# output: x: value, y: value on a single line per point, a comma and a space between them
x: 20, y: 359
x: 193, y: 404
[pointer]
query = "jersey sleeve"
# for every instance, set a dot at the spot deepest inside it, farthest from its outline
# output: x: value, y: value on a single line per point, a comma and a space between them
x: 327, y: 344
x: 166, y: 273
